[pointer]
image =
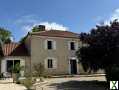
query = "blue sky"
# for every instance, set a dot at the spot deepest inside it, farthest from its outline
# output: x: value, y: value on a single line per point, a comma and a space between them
x: 19, y: 16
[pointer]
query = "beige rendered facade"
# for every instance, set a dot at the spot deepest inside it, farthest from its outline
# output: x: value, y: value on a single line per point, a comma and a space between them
x: 61, y: 53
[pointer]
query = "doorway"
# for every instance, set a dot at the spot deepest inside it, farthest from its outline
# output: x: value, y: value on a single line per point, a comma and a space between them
x: 73, y: 66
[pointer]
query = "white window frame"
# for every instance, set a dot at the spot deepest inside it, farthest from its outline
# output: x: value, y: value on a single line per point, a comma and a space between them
x: 53, y: 44
x: 75, y: 45
x: 54, y: 63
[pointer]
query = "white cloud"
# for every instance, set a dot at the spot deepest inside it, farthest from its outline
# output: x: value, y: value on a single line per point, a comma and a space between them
x: 113, y: 16
x: 29, y: 21
x: 54, y: 25
x: 48, y: 26
x: 26, y: 23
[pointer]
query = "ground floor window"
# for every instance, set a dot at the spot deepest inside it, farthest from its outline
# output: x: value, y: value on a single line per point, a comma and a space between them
x: 50, y: 63
x: 13, y: 66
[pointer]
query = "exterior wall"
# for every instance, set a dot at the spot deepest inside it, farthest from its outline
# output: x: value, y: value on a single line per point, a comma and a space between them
x: 24, y: 61
x: 62, y: 53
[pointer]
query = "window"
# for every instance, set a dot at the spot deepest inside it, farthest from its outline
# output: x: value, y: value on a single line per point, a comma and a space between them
x: 12, y: 64
x: 49, y: 44
x: 72, y: 46
x: 50, y: 63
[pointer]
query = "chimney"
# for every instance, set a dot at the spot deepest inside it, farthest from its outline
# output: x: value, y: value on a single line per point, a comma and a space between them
x: 41, y: 27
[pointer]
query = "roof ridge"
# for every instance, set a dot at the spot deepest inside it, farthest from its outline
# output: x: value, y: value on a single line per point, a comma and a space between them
x: 57, y: 33
x: 37, y: 32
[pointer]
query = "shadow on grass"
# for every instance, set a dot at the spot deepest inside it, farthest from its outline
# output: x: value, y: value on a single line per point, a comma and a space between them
x: 81, y: 85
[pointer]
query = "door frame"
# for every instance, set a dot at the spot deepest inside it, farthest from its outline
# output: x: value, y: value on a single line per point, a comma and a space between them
x: 73, y: 58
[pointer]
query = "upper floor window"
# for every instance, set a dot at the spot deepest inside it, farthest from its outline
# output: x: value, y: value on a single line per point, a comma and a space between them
x: 73, y: 45
x: 50, y: 44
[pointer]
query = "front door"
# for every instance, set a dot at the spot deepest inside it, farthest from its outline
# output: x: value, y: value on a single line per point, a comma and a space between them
x: 73, y: 66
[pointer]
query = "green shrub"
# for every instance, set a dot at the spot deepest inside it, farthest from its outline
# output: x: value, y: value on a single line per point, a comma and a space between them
x: 112, y: 73
x: 38, y: 70
x: 1, y: 75
x: 28, y: 83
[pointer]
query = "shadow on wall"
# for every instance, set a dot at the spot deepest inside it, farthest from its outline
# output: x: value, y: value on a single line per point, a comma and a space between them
x: 80, y: 85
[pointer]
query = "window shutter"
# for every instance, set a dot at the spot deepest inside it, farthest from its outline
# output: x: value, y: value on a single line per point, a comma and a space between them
x: 54, y: 45
x: 3, y: 66
x: 69, y: 46
x: 46, y: 63
x: 76, y: 45
x: 45, y: 44
x: 22, y: 63
x: 54, y: 63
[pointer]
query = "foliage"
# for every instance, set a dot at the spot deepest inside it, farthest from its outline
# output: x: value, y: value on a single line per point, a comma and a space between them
x: 5, y: 35
x: 38, y: 70
x: 101, y: 49
x: 1, y: 51
x: 1, y: 75
x: 37, y: 28
x: 16, y: 72
x: 28, y: 83
x: 22, y: 40
x: 16, y: 68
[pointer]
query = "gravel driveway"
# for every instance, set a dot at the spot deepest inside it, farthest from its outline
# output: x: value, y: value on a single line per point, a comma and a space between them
x: 75, y: 83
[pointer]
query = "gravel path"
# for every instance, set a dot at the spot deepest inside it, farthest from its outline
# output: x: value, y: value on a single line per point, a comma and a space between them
x: 75, y: 83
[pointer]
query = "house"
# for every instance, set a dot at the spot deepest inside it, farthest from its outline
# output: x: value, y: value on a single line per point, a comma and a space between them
x: 55, y: 49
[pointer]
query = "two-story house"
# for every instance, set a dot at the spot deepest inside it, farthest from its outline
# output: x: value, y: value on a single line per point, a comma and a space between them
x: 55, y: 49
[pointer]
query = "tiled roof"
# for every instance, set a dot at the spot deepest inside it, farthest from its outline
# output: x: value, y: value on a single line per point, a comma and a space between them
x: 14, y: 49
x: 57, y: 33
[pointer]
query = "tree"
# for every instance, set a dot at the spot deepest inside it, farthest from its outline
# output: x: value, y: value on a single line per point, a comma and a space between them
x: 5, y: 36
x: 1, y: 52
x: 36, y: 28
x: 101, y: 50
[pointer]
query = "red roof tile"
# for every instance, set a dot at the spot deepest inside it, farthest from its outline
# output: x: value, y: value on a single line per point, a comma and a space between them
x: 57, y: 33
x: 14, y: 49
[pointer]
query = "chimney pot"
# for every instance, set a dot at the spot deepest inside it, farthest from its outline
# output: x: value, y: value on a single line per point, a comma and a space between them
x: 41, y: 27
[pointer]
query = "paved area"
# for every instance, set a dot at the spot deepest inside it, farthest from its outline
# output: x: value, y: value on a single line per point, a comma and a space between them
x: 75, y: 83
x: 7, y: 84
x: 11, y: 86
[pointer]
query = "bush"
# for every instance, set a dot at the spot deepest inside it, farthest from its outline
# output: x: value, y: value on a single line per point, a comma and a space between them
x: 112, y: 73
x: 28, y: 83
x: 38, y: 70
x: 1, y: 75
